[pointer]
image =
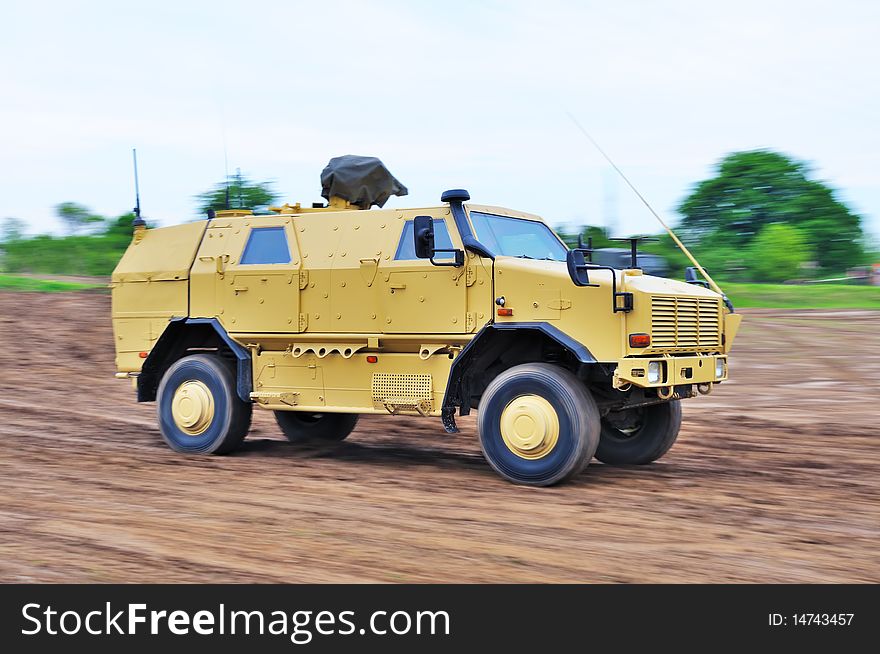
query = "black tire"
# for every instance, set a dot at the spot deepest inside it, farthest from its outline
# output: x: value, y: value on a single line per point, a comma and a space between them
x: 230, y: 419
x: 576, y: 413
x: 300, y: 426
x: 640, y: 435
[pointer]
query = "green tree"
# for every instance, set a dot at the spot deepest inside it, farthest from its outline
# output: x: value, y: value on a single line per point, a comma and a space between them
x: 241, y: 192
x: 120, y: 227
x: 75, y: 216
x: 12, y: 229
x: 757, y: 188
x: 96, y: 253
x: 777, y: 254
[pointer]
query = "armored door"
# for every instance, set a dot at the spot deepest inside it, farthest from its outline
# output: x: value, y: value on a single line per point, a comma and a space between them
x: 258, y: 285
x: 418, y: 297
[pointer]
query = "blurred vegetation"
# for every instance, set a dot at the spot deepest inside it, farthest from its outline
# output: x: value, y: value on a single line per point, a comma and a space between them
x: 803, y: 296
x: 76, y: 217
x: 778, y: 253
x: 599, y: 235
x: 94, y: 243
x: 237, y: 192
x: 756, y: 189
x: 93, y: 254
x: 13, y: 283
x: 760, y: 218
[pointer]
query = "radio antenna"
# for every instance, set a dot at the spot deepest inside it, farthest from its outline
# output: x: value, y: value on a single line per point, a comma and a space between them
x: 138, y: 221
x: 672, y: 235
x: 225, y: 166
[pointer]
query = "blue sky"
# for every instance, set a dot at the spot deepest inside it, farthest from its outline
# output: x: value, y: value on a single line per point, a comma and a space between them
x: 453, y: 94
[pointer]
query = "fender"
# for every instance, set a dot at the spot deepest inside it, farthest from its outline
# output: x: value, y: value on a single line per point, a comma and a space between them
x: 173, y: 343
x: 474, y: 357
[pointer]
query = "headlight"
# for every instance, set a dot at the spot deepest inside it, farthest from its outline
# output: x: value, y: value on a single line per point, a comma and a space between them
x: 719, y: 368
x: 654, y: 372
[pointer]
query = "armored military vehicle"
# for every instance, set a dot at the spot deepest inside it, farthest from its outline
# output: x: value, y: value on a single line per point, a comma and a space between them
x: 323, y: 313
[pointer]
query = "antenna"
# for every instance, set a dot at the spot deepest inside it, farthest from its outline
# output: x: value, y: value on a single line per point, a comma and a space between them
x: 687, y: 253
x: 226, y: 168
x: 609, y: 201
x: 138, y: 221
x: 238, y: 181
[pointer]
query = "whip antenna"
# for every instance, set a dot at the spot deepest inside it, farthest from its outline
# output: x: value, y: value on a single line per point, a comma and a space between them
x: 226, y: 167
x: 681, y: 245
x: 138, y: 221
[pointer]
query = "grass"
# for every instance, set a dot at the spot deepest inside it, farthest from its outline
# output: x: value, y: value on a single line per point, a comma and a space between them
x: 17, y: 283
x: 810, y: 296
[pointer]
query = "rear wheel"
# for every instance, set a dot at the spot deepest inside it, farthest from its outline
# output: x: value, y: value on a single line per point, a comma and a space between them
x: 639, y: 435
x: 538, y: 424
x: 199, y: 409
x: 299, y: 426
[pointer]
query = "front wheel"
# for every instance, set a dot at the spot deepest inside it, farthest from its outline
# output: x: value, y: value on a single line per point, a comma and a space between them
x: 299, y: 426
x: 639, y: 435
x: 199, y: 409
x: 538, y: 424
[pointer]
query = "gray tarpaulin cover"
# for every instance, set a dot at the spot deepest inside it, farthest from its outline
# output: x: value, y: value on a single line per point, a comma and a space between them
x: 363, y: 181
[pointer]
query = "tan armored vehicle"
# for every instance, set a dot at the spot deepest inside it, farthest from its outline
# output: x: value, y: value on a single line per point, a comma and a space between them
x: 322, y: 314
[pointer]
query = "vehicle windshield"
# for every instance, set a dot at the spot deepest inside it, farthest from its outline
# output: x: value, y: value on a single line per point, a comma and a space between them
x: 516, y: 237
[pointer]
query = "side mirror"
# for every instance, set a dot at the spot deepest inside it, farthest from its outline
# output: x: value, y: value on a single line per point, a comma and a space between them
x: 423, y: 235
x: 578, y: 267
x: 690, y: 276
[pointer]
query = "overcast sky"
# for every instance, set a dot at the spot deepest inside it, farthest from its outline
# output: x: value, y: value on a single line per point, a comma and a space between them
x: 448, y: 94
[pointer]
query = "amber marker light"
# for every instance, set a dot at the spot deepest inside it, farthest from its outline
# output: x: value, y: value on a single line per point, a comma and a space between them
x: 505, y: 312
x: 372, y: 358
x: 639, y: 340
x: 142, y: 355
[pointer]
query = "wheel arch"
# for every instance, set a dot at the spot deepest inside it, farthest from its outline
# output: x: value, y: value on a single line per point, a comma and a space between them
x: 176, y: 341
x: 499, y: 346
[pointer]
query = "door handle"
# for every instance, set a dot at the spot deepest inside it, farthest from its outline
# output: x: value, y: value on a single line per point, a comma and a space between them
x: 397, y: 285
x: 240, y: 289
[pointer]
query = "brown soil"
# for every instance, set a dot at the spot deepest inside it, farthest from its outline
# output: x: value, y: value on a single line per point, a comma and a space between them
x: 774, y: 478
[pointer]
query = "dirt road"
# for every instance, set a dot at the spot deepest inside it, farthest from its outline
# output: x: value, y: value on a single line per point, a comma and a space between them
x: 774, y: 478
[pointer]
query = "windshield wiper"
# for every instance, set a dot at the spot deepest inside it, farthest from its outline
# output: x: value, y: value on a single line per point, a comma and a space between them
x: 525, y: 256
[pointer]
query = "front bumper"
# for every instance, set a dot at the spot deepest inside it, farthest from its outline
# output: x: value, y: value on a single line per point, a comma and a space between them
x: 674, y: 371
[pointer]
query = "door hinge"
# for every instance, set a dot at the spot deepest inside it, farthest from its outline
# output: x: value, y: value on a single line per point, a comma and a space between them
x: 303, y: 279
x: 303, y: 321
x: 471, y: 275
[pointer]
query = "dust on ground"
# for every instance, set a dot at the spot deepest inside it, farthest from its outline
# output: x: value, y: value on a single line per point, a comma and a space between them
x: 774, y: 479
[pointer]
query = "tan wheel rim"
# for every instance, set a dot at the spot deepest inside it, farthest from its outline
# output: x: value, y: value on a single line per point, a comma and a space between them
x: 530, y: 426
x: 192, y: 407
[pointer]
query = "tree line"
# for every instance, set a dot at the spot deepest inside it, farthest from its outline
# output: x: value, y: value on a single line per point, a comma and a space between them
x: 762, y: 216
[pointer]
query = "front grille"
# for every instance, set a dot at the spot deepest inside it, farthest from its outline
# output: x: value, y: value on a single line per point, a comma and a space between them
x: 685, y: 323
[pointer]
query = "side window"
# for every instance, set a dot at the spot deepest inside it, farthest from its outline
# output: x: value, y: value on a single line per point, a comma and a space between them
x: 266, y: 245
x: 406, y: 249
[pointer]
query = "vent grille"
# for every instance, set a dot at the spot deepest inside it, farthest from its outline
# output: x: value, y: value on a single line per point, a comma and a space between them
x: 402, y: 392
x: 685, y: 323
